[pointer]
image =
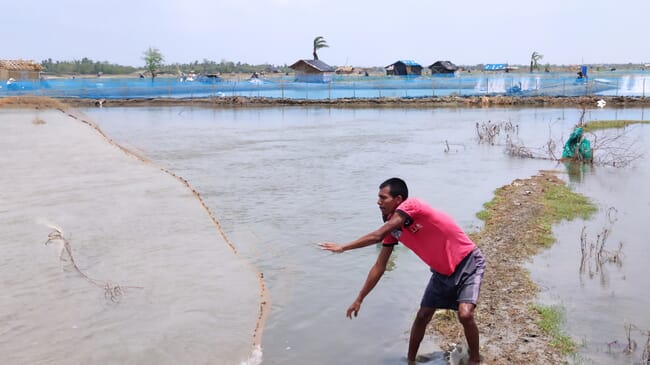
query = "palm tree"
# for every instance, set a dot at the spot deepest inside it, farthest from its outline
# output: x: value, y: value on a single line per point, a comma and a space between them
x: 319, y: 42
x: 534, y: 58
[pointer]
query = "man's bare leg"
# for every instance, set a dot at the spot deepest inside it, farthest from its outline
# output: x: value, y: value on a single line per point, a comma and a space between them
x: 466, y: 318
x: 420, y: 323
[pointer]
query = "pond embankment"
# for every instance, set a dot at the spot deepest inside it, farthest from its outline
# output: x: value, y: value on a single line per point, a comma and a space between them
x: 427, y: 102
x: 517, y: 225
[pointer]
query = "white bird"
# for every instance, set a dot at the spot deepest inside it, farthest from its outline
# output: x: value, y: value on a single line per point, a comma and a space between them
x: 601, y: 103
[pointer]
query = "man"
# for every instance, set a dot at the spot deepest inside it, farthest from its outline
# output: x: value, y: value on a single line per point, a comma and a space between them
x: 456, y: 264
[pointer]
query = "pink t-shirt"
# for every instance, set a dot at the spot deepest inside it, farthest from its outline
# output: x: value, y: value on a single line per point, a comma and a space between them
x: 432, y: 235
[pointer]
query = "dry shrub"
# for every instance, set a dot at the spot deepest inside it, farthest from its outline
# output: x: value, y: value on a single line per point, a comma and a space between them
x: 38, y: 102
x: 488, y: 132
x: 595, y: 255
x: 517, y: 149
x: 38, y: 121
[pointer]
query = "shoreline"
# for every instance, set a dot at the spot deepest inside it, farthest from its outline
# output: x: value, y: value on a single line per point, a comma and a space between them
x: 427, y: 102
x: 583, y: 102
x: 514, y: 231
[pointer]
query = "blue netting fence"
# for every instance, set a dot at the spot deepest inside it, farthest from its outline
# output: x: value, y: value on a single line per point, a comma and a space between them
x: 612, y: 84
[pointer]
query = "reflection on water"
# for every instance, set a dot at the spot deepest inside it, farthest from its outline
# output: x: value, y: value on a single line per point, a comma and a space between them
x: 597, y: 253
x: 576, y: 170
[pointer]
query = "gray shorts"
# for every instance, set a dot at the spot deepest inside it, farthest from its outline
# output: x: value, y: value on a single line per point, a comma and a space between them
x: 463, y: 286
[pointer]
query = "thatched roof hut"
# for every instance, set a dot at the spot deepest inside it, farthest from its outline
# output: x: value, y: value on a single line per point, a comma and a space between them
x: 20, y: 70
x: 344, y: 70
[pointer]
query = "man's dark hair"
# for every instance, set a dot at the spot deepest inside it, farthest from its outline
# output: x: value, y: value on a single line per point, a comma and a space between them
x: 396, y: 187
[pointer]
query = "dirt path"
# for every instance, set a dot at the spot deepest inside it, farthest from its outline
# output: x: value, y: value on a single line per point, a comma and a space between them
x: 426, y: 102
x: 507, y: 322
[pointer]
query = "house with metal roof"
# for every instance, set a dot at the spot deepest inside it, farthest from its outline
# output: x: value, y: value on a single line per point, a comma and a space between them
x: 443, y: 68
x: 404, y: 68
x: 313, y: 71
x: 20, y: 70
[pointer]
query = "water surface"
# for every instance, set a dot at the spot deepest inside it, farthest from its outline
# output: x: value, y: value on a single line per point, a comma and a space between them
x: 282, y: 179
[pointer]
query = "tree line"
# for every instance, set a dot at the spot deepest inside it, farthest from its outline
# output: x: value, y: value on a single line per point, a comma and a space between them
x: 86, y: 66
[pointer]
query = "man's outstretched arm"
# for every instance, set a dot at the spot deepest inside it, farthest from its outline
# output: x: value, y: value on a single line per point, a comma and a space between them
x: 375, y: 236
x: 374, y: 275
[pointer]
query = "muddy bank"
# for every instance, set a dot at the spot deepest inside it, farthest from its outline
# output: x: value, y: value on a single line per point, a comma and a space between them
x: 514, y: 231
x: 260, y: 102
x: 429, y: 102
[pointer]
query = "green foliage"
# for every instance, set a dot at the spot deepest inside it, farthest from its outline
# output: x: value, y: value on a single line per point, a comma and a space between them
x: 534, y: 59
x: 562, y: 204
x: 566, y: 204
x: 153, y: 60
x: 610, y: 124
x: 319, y: 42
x: 223, y: 67
x: 484, y: 214
x: 550, y: 322
x: 85, y: 66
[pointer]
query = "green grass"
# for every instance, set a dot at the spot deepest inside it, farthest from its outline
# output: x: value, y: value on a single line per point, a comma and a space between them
x: 562, y: 204
x: 551, y: 319
x: 484, y: 214
x: 610, y: 124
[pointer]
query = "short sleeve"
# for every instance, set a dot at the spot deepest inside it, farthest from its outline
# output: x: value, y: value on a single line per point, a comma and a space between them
x: 389, y: 240
x: 409, y: 209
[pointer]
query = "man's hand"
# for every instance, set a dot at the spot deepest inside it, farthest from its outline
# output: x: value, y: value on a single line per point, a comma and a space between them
x: 354, y: 309
x: 331, y: 246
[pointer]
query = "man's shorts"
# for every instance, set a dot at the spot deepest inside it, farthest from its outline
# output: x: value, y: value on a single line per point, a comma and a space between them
x: 463, y: 286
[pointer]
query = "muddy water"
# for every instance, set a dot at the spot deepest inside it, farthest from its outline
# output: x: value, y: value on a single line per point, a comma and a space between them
x: 128, y: 225
x: 282, y: 179
x: 603, y: 298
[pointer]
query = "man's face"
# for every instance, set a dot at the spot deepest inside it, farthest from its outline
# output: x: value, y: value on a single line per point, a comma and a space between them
x: 387, y: 204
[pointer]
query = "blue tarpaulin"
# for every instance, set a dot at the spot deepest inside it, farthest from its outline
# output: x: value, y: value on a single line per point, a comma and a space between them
x: 495, y: 66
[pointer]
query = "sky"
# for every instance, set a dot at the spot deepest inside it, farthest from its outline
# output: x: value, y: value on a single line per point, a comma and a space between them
x: 360, y: 33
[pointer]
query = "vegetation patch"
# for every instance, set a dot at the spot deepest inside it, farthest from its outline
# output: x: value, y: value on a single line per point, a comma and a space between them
x: 610, y: 124
x: 517, y: 224
x: 561, y: 204
x: 550, y: 321
x: 484, y: 214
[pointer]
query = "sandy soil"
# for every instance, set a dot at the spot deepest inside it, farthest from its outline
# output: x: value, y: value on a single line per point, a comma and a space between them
x: 507, y: 323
